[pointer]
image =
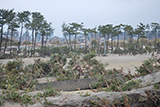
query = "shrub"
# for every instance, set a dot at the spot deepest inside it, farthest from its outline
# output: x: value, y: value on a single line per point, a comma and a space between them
x: 89, y: 56
x: 157, y: 86
x: 2, y: 68
x: 50, y: 92
x: 149, y: 49
x: 118, y: 51
x: 130, y: 85
x: 60, y: 58
x: 14, y: 66
x: 114, y: 87
x: 147, y: 67
x: 52, y: 50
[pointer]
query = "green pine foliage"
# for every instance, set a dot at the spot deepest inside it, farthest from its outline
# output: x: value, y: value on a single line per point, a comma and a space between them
x: 147, y: 67
x: 131, y: 85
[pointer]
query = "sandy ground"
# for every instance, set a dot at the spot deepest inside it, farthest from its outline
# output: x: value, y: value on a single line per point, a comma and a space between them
x: 128, y: 62
x: 25, y: 60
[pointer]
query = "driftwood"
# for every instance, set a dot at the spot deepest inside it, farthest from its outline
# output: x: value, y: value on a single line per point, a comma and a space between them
x: 73, y: 85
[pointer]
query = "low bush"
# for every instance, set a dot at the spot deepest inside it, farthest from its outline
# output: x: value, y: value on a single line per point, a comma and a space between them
x: 147, y: 67
x: 14, y: 66
x: 149, y: 49
x: 118, y: 51
x: 48, y: 51
x: 131, y: 85
x: 89, y: 56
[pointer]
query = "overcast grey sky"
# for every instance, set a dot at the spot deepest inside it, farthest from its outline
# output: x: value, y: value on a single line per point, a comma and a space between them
x: 91, y: 12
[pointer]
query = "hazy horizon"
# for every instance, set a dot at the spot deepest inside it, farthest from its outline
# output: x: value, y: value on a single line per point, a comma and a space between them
x: 91, y: 12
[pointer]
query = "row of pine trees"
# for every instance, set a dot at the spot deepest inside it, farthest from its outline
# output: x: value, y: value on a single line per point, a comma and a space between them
x: 35, y: 23
x: 109, y: 31
x: 25, y: 21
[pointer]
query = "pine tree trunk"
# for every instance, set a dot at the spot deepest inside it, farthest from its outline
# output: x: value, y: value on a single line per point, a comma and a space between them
x: 155, y: 46
x: 142, y: 44
x: 1, y: 38
x: 28, y: 45
x: 25, y: 45
x: 91, y: 40
x: 35, y: 40
x: 11, y: 41
x: 70, y: 41
x: 107, y: 42
x: 26, y: 41
x: 98, y: 46
x: 6, y: 41
x: 75, y: 41
x: 42, y: 40
x: 32, y: 40
x: 118, y: 41
x: 46, y: 40
x: 104, y: 45
x: 124, y: 40
x: 20, y: 39
x: 130, y: 41
x: 111, y: 43
x: 137, y: 42
x: 85, y: 44
x: 66, y: 41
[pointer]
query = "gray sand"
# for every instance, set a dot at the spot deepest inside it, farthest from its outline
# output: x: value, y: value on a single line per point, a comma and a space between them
x: 128, y: 62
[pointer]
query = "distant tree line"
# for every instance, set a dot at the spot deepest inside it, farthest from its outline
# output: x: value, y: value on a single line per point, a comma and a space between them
x: 35, y: 23
x: 109, y: 31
